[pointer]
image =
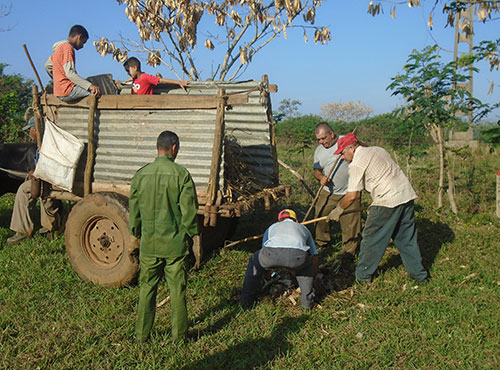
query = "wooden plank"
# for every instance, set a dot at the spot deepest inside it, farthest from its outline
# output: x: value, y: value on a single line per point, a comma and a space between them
x: 51, y: 100
x: 237, y: 99
x: 272, y: 130
x: 151, y: 101
x: 64, y: 195
x: 124, y: 189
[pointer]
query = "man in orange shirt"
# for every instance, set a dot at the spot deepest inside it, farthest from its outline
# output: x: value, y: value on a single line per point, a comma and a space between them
x: 68, y: 85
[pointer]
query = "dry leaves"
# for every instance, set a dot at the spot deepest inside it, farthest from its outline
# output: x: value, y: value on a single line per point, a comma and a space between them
x: 468, y: 277
x: 209, y: 44
x: 104, y: 47
x: 246, y: 26
x: 163, y: 302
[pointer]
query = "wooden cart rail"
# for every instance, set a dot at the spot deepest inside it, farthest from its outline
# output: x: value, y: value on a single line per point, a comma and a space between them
x: 232, y: 209
x: 151, y: 102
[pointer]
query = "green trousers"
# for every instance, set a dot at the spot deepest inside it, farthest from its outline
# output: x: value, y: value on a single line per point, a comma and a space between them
x: 382, y: 225
x: 151, y: 269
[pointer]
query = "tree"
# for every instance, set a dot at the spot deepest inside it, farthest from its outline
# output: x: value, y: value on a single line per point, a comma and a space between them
x: 482, y: 8
x: 433, y: 101
x: 486, y: 50
x: 169, y: 31
x: 351, y: 111
x: 15, y: 98
x: 491, y: 134
x: 484, y: 11
x: 289, y: 108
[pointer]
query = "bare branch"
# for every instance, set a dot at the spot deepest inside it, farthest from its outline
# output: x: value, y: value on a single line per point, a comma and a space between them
x: 174, y: 25
x: 224, y: 68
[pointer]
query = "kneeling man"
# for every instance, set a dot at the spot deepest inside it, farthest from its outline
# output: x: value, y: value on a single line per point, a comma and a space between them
x: 286, y: 244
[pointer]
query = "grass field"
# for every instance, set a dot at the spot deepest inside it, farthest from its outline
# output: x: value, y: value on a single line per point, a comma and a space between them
x: 49, y: 318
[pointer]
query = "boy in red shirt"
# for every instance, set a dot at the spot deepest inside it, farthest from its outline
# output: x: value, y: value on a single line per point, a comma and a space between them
x: 142, y: 83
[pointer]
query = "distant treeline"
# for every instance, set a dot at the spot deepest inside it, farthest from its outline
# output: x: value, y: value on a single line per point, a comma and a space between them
x: 386, y: 130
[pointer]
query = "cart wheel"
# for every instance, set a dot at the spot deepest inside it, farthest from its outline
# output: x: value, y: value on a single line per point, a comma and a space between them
x: 98, y: 242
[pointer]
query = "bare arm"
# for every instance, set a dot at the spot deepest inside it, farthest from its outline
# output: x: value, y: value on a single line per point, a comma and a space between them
x: 348, y: 199
x: 168, y: 81
x: 318, y: 175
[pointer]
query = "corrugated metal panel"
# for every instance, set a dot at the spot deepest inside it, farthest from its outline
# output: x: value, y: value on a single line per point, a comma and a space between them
x: 247, y: 124
x: 126, y: 139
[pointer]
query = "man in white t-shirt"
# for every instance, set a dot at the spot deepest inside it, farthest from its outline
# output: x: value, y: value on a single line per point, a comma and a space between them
x: 391, y: 214
x: 334, y: 188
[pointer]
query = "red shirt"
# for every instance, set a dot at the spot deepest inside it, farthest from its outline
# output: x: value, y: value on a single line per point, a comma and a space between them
x: 144, y: 84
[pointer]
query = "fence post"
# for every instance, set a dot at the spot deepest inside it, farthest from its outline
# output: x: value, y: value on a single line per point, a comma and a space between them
x: 498, y: 193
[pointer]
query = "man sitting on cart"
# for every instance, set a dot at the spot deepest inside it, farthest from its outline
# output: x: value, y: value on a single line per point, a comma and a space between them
x: 25, y: 203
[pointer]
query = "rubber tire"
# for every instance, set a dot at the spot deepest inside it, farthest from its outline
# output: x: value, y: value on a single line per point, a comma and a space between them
x: 109, y: 206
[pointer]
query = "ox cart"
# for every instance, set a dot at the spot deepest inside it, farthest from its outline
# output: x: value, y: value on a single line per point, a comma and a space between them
x: 227, y: 143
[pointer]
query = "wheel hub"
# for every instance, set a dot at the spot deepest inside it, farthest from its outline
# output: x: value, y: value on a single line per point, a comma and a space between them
x: 103, y: 241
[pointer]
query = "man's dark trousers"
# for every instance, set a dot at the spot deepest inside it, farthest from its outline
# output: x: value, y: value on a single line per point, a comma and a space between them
x: 381, y: 225
x: 267, y: 258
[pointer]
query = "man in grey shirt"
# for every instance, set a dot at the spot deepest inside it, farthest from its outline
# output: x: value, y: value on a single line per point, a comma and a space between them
x: 334, y: 188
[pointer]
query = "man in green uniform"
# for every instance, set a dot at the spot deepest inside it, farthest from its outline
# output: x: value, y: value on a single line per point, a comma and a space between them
x: 163, y: 206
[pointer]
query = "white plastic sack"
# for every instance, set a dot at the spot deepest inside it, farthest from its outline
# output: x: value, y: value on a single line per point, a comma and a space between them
x: 59, y: 157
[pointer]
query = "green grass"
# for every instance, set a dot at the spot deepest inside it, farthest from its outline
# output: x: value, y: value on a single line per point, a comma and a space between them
x: 49, y: 318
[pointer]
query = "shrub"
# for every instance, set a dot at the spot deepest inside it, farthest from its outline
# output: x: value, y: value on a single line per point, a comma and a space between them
x: 298, y: 129
x: 490, y: 133
x: 383, y: 130
x: 15, y: 98
x: 391, y: 132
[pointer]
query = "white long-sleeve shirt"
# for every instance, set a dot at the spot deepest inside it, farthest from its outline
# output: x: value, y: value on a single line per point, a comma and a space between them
x: 373, y: 169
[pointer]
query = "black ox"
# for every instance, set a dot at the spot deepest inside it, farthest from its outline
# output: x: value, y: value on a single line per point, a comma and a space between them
x: 16, y: 160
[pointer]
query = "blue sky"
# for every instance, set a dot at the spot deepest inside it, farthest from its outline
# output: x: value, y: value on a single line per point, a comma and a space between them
x: 357, y: 64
